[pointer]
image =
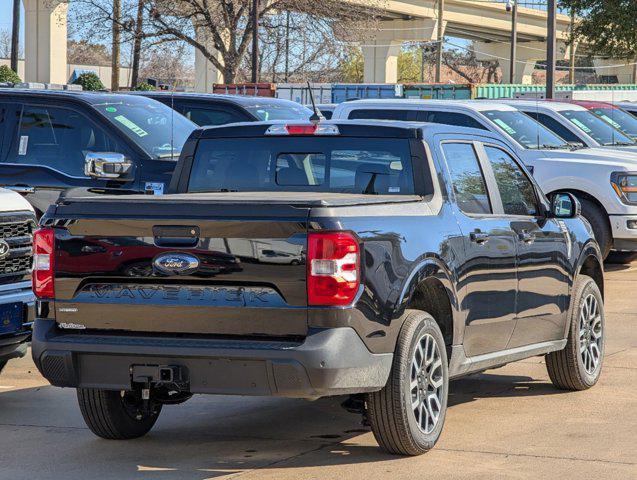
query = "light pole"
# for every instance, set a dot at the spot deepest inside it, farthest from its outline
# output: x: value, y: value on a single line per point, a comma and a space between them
x: 512, y: 6
x: 551, y: 26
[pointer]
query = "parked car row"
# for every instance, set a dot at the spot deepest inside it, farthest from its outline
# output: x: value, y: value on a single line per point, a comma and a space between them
x: 376, y: 255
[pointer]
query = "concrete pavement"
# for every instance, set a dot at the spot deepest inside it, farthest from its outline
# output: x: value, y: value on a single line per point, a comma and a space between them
x: 505, y: 423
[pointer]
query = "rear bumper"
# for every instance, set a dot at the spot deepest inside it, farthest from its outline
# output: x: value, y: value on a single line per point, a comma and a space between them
x: 331, y: 361
x: 13, y: 345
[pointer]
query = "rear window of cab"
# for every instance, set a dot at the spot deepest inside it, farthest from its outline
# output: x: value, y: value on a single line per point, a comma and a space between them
x: 375, y: 166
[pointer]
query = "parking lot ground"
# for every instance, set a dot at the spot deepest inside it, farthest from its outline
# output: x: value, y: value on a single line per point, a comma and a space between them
x: 504, y: 423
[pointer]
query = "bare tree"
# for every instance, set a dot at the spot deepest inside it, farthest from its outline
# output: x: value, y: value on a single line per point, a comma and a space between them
x: 5, y: 45
x: 166, y: 64
x: 137, y: 42
x: 222, y: 32
x: 83, y: 52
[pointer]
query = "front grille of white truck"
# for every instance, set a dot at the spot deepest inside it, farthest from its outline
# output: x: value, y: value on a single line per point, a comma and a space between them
x: 16, y: 229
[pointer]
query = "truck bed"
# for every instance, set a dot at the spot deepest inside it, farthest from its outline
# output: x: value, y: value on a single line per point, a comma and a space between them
x: 98, y: 204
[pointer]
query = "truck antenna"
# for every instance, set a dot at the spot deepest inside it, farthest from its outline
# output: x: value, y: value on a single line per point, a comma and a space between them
x: 316, y: 116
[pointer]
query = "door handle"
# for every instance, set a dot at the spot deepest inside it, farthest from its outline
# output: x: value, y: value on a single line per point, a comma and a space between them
x: 526, y: 236
x: 22, y: 189
x: 479, y: 237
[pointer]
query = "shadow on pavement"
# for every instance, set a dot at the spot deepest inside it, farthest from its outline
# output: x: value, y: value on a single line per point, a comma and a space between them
x: 208, y: 436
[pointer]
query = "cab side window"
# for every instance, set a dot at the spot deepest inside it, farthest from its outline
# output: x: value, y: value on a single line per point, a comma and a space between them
x: 516, y: 189
x: 58, y: 138
x: 210, y: 116
x: 555, y: 126
x: 467, y: 179
x: 384, y: 114
x: 451, y: 118
x: 3, y: 126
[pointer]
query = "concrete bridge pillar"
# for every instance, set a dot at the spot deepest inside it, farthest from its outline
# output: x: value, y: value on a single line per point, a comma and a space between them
x: 381, y: 48
x: 206, y: 74
x: 45, y: 40
x: 609, y: 67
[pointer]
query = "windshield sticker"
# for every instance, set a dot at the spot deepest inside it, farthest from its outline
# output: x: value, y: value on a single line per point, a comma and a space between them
x: 505, y: 127
x: 110, y: 109
x: 612, y: 122
x: 24, y: 142
x: 581, y: 125
x: 136, y: 129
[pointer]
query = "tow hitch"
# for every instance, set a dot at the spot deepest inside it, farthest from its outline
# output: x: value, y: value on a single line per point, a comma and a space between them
x: 165, y: 384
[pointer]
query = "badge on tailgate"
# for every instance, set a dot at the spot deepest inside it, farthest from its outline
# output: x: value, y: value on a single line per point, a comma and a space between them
x: 176, y: 263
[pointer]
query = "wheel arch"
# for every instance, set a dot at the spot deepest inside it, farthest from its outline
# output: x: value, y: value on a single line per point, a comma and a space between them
x: 430, y: 288
x: 590, y: 264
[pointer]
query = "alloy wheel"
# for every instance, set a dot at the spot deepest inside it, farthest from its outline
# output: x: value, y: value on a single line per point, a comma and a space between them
x: 590, y: 334
x: 426, y: 383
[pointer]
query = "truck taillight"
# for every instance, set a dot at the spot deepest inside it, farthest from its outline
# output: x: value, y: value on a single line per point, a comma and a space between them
x: 43, y: 263
x: 333, y: 268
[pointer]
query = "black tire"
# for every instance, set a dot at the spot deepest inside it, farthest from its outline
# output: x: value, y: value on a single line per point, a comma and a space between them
x: 3, y: 364
x: 567, y: 368
x: 390, y: 412
x: 600, y: 224
x: 111, y: 416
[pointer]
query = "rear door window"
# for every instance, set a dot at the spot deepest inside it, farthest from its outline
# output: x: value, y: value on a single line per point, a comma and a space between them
x: 59, y: 138
x: 467, y: 179
x: 202, y: 115
x: 451, y: 118
x: 384, y: 114
x: 315, y: 164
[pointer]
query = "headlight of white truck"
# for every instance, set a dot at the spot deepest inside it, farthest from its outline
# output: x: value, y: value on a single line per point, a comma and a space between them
x: 625, y: 186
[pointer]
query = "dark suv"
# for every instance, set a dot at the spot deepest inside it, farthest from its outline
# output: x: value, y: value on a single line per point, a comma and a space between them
x: 422, y: 253
x: 55, y: 142
x: 218, y: 109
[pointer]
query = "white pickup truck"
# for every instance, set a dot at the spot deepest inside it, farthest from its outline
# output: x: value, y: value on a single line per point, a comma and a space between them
x: 603, y: 179
x: 17, y: 222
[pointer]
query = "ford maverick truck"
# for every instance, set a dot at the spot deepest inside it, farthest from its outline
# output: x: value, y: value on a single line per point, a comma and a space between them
x: 372, y: 259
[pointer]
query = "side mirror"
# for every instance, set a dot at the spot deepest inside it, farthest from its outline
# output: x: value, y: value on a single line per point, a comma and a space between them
x: 565, y: 205
x: 106, y: 165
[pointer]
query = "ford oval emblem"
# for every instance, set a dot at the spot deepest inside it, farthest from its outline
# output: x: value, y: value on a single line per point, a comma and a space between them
x: 176, y: 263
x: 4, y: 249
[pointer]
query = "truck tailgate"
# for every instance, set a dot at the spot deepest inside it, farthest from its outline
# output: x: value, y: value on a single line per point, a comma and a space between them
x: 181, y: 267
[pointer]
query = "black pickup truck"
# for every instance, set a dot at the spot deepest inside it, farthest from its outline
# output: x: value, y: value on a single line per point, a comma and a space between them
x: 408, y: 255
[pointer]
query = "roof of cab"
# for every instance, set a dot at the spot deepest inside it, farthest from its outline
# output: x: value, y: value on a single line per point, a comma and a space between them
x: 475, y: 105
x: 357, y: 128
x: 244, y: 100
x: 92, y: 98
x: 555, y: 106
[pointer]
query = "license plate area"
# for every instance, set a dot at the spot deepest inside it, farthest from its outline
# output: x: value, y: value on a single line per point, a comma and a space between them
x: 11, y: 317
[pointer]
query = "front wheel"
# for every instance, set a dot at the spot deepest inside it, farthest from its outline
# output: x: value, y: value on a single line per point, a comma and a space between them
x: 116, y: 415
x: 408, y: 414
x: 579, y: 365
x: 600, y: 225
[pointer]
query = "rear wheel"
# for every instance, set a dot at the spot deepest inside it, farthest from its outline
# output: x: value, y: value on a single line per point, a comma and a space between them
x: 3, y: 364
x: 599, y: 222
x: 116, y: 415
x: 579, y: 364
x: 408, y: 414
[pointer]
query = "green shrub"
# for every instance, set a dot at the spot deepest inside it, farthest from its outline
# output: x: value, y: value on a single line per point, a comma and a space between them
x: 144, y: 87
x: 8, y: 75
x: 89, y: 81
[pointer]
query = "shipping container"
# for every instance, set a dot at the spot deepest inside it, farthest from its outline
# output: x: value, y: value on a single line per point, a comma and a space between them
x: 342, y: 92
x: 438, y: 91
x: 249, y: 89
x: 298, y: 92
x: 495, y: 91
